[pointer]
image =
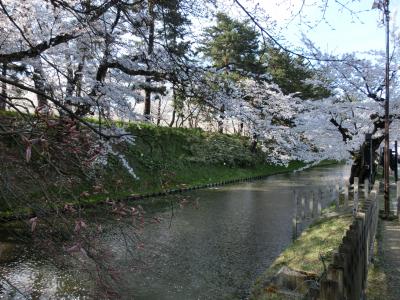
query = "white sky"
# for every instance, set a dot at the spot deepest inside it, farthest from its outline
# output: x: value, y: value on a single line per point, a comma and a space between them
x: 339, y: 32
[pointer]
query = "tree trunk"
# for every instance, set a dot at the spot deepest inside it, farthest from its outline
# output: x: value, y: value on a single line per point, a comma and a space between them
x: 241, y: 128
x: 3, y: 94
x: 182, y: 122
x: 69, y: 90
x: 39, y: 82
x: 159, y: 112
x: 173, y: 118
x: 174, y: 105
x: 221, y: 119
x: 360, y: 166
x: 147, y: 97
x: 177, y: 120
x: 253, y: 146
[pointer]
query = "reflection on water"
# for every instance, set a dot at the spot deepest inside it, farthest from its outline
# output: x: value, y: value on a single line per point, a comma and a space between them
x: 213, y: 250
x: 26, y: 276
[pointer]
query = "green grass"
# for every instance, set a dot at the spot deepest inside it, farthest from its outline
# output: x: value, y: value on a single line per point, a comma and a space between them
x: 308, y: 252
x: 168, y: 158
x: 8, y: 113
x: 163, y: 158
x: 318, y: 241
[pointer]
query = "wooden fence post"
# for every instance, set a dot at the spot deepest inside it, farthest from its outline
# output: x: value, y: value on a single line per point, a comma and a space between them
x: 294, y: 220
x: 366, y: 189
x: 337, y: 195
x: 329, y: 290
x: 303, y: 204
x: 347, y: 273
x: 311, y: 205
x: 319, y: 205
x: 398, y: 199
x: 346, y: 196
x: 315, y: 200
x: 355, y: 197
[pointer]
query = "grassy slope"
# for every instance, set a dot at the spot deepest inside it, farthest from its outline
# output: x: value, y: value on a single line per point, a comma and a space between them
x: 163, y: 158
x: 319, y: 240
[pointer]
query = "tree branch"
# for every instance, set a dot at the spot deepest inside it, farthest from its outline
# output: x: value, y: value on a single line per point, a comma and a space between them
x: 60, y: 105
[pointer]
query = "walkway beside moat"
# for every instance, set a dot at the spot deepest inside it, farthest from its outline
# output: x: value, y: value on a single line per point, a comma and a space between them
x: 384, y: 273
x: 391, y: 256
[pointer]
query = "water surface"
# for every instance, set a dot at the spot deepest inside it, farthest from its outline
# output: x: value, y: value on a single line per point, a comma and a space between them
x: 213, y: 247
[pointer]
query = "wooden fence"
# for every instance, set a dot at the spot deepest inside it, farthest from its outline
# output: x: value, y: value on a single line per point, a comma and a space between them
x: 308, y: 205
x: 346, y: 276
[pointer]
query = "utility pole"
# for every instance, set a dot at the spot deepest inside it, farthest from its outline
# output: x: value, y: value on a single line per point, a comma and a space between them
x: 396, y: 174
x: 386, y: 157
x: 384, y: 6
x: 368, y: 141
